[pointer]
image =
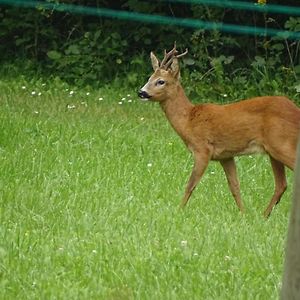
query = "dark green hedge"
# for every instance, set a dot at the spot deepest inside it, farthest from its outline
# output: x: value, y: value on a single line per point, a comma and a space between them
x: 86, y: 49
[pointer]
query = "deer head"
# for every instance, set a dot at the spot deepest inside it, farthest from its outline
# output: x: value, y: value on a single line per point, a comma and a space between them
x: 165, y: 78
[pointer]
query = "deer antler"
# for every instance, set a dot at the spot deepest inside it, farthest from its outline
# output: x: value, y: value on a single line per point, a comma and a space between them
x: 169, y: 57
x: 168, y: 64
x: 182, y: 54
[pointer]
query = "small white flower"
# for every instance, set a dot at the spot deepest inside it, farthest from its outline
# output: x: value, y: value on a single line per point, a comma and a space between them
x: 94, y: 251
x: 142, y: 118
x: 183, y: 243
x: 71, y: 93
x: 123, y: 99
x: 100, y: 99
x: 195, y: 254
x: 88, y: 93
x: 129, y: 100
x: 120, y: 102
x: 33, y: 93
x: 128, y: 95
x: 39, y: 94
x: 84, y: 103
x: 225, y: 95
x: 71, y: 106
x: 149, y: 165
x: 43, y: 84
x: 36, y: 112
x: 23, y: 87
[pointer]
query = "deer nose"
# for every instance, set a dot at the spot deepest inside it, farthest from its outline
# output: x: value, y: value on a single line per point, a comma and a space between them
x: 143, y: 94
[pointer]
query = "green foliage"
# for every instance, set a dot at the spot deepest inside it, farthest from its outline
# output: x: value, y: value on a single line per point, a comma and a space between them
x: 89, y: 57
x: 86, y: 50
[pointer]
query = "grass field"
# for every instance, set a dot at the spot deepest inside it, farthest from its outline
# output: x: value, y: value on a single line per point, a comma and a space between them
x: 90, y: 185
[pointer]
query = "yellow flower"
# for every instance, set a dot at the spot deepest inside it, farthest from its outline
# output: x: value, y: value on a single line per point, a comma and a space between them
x: 262, y: 2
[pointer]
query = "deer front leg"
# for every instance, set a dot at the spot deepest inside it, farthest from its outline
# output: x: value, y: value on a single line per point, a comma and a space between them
x: 201, y: 161
x: 233, y: 182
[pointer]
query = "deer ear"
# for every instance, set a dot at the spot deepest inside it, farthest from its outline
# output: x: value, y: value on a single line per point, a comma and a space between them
x: 154, y: 61
x: 175, y: 68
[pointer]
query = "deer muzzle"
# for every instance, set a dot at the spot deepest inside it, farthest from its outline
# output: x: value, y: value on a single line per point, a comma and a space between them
x: 143, y: 95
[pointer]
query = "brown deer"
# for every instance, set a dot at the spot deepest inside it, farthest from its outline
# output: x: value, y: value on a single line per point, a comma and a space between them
x: 268, y: 124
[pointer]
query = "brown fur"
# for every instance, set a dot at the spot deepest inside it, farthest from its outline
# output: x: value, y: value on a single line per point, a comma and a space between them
x: 268, y: 124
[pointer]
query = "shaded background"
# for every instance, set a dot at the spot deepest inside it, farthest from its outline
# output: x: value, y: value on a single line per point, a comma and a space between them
x: 87, y: 50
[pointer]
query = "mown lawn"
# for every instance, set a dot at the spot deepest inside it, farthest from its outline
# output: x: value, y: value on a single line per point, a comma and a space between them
x: 90, y: 185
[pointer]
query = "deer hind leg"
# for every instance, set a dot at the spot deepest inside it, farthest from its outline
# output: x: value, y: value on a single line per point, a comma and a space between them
x: 285, y: 154
x: 233, y: 182
x: 280, y: 184
x: 201, y: 161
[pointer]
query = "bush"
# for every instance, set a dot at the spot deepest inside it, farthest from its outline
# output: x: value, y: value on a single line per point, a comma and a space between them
x: 91, y: 50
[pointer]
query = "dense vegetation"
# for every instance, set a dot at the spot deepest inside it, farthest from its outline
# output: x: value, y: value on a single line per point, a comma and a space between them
x: 91, y: 50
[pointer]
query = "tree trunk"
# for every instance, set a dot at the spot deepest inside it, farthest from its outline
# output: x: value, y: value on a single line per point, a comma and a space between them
x: 291, y: 276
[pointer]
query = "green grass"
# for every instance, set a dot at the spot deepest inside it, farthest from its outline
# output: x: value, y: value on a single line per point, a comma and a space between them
x: 89, y: 205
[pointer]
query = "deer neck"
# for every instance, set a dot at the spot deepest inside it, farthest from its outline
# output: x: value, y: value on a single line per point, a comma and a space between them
x: 177, y: 108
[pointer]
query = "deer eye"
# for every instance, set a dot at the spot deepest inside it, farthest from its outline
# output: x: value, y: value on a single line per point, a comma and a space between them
x: 160, y: 82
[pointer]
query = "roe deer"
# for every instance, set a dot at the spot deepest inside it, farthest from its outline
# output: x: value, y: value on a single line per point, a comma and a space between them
x: 268, y: 124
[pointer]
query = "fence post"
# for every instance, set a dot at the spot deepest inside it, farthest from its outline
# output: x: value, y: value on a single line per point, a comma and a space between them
x: 291, y: 274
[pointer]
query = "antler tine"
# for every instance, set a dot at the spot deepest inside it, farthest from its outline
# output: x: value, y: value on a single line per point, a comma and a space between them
x: 182, y: 54
x: 168, y: 55
x: 168, y: 64
x: 175, y: 56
